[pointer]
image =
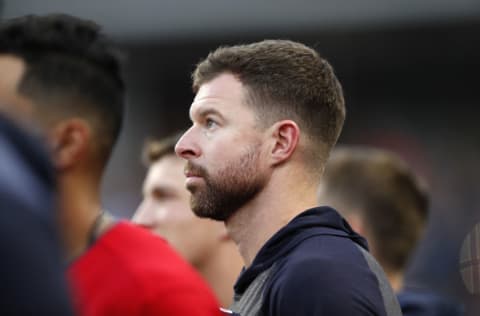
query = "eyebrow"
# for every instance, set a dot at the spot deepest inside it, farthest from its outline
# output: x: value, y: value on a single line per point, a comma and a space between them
x: 205, y: 111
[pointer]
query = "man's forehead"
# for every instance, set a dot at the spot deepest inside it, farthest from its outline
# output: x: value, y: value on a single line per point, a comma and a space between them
x: 11, y: 60
x: 169, y: 164
x: 167, y: 172
x: 220, y: 86
x: 12, y: 70
x: 223, y: 88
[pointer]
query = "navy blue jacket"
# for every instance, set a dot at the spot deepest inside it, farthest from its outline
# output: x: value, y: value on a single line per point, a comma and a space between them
x: 31, y: 273
x: 317, y: 265
x: 422, y: 302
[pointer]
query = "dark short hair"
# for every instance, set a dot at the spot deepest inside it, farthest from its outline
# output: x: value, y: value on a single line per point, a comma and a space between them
x: 284, y: 80
x: 156, y: 149
x: 71, y: 69
x: 392, y: 200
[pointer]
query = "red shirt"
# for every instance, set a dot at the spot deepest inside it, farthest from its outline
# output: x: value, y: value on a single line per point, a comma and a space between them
x: 130, y: 271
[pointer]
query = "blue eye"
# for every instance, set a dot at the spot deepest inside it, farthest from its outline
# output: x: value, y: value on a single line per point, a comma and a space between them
x: 210, y: 123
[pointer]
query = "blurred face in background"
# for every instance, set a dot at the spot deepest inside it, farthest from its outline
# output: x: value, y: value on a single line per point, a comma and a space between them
x: 165, y: 210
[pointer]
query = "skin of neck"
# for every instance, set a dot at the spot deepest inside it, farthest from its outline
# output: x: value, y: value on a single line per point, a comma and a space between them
x: 79, y: 207
x: 289, y: 191
x: 221, y: 269
x: 396, y: 279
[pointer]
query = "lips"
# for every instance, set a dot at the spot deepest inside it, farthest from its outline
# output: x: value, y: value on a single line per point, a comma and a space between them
x: 193, y: 171
x: 191, y: 174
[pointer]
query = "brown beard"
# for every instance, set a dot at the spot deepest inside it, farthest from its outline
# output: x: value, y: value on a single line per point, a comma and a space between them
x: 232, y: 187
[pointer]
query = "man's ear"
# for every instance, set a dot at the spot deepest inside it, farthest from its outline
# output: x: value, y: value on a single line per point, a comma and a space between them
x: 285, y: 135
x: 69, y: 140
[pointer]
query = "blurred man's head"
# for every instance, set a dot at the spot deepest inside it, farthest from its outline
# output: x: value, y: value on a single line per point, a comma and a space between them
x: 381, y: 198
x: 165, y: 208
x: 64, y: 73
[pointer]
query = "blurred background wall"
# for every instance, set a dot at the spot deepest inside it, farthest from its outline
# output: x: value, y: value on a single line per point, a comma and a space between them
x: 410, y: 71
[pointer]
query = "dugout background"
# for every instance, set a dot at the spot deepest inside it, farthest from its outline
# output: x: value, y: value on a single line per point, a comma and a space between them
x: 410, y: 72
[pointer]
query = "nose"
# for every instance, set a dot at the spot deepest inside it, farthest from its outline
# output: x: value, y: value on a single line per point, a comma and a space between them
x: 144, y: 215
x: 186, y: 147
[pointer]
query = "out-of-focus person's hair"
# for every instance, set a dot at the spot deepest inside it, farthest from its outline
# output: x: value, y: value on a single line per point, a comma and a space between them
x: 392, y: 201
x: 154, y: 150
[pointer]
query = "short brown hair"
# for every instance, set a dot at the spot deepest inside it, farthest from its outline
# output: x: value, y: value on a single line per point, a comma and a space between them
x: 392, y: 200
x: 155, y: 149
x: 284, y: 80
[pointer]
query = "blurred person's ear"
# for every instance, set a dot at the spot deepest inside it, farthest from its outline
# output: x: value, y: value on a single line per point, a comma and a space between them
x: 285, y: 136
x: 69, y: 141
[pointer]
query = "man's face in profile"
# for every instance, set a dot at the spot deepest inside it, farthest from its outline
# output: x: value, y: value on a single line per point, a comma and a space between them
x: 224, y: 150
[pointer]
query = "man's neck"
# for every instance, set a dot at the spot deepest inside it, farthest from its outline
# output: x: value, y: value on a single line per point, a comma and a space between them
x: 281, y: 200
x: 79, y: 210
x: 396, y: 280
